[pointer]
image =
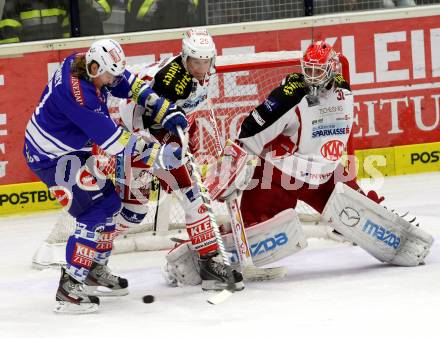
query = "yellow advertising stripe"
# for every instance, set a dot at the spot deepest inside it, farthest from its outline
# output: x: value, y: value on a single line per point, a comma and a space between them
x: 417, y: 158
x: 399, y: 160
x: 377, y: 162
x: 23, y: 197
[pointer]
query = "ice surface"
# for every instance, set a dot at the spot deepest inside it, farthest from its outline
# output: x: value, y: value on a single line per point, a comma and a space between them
x: 331, y: 290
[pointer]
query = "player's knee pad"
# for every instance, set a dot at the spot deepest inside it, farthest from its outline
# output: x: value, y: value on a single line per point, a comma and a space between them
x: 182, y: 267
x: 269, y: 241
x: 380, y: 232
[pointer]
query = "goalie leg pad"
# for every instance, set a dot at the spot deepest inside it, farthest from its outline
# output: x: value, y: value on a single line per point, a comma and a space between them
x: 383, y: 234
x: 271, y: 240
x: 182, y: 266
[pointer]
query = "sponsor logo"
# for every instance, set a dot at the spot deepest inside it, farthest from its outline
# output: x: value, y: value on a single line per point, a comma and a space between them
x: 264, y: 246
x: 201, y: 233
x: 58, y: 78
x: 201, y: 227
x: 105, y: 242
x: 349, y: 216
x: 339, y: 79
x: 257, y: 117
x: 62, y: 194
x: 329, y: 130
x: 171, y: 72
x: 83, y: 255
x: 26, y: 197
x: 119, y: 169
x: 194, y: 103
x: 344, y: 118
x: 315, y: 176
x: 291, y: 86
x: 182, y: 84
x: 136, y: 87
x: 318, y: 121
x: 332, y: 150
x: 114, y: 55
x: 270, y: 105
x: 425, y: 157
x: 382, y: 234
x: 331, y: 109
x: 131, y: 216
x: 76, y: 90
x: 86, y: 180
x: 202, y: 209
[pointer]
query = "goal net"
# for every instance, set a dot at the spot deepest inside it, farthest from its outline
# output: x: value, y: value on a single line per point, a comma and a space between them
x: 240, y: 83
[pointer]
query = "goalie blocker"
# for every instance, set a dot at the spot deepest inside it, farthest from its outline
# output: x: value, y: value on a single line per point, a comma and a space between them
x: 382, y: 233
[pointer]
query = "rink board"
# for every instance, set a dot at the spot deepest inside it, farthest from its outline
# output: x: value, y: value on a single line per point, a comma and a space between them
x: 25, y: 197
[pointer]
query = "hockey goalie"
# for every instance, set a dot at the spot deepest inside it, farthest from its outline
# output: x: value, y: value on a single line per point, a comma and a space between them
x: 298, y: 136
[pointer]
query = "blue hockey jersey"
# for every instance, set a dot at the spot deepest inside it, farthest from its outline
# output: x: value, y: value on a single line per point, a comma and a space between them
x: 72, y: 115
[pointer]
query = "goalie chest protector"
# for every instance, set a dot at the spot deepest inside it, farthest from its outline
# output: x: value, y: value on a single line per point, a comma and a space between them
x: 320, y: 128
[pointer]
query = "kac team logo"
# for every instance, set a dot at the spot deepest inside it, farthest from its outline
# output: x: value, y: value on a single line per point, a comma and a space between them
x: 332, y: 150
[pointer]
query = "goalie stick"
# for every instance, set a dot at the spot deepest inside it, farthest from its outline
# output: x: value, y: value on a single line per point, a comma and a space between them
x: 249, y: 270
x: 227, y: 292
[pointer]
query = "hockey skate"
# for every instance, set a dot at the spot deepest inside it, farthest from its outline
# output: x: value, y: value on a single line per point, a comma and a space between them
x: 214, y: 274
x: 71, y: 297
x: 101, y: 282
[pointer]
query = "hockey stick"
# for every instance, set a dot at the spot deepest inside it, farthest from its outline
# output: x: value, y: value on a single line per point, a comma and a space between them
x: 249, y: 270
x: 227, y: 292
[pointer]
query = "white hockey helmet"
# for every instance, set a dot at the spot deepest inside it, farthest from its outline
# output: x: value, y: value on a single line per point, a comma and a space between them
x: 198, y: 44
x: 108, y: 54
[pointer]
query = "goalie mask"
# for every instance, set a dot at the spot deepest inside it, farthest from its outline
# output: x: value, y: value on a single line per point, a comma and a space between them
x: 198, y: 44
x: 110, y: 57
x: 319, y: 65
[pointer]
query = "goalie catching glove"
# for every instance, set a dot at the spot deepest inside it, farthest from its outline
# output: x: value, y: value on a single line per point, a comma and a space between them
x: 168, y: 114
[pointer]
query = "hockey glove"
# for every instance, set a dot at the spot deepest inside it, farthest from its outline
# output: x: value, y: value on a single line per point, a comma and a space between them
x: 170, y: 156
x: 169, y: 115
x: 166, y: 156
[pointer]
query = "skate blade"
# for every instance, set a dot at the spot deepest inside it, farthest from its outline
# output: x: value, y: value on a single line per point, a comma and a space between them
x: 102, y: 291
x: 215, y: 285
x: 219, y: 297
x: 64, y: 307
x: 253, y: 273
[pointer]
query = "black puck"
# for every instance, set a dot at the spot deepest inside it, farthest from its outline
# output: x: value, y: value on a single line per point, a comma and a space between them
x: 148, y: 299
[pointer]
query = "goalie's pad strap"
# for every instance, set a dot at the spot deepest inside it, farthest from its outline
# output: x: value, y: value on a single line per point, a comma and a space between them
x: 269, y: 241
x: 383, y: 234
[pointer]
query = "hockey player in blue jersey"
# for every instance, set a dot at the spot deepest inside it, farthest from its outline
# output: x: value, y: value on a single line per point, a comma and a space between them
x: 72, y: 115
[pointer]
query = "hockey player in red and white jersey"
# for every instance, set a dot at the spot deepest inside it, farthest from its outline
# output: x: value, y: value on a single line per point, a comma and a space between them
x: 184, y: 80
x: 299, y: 134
